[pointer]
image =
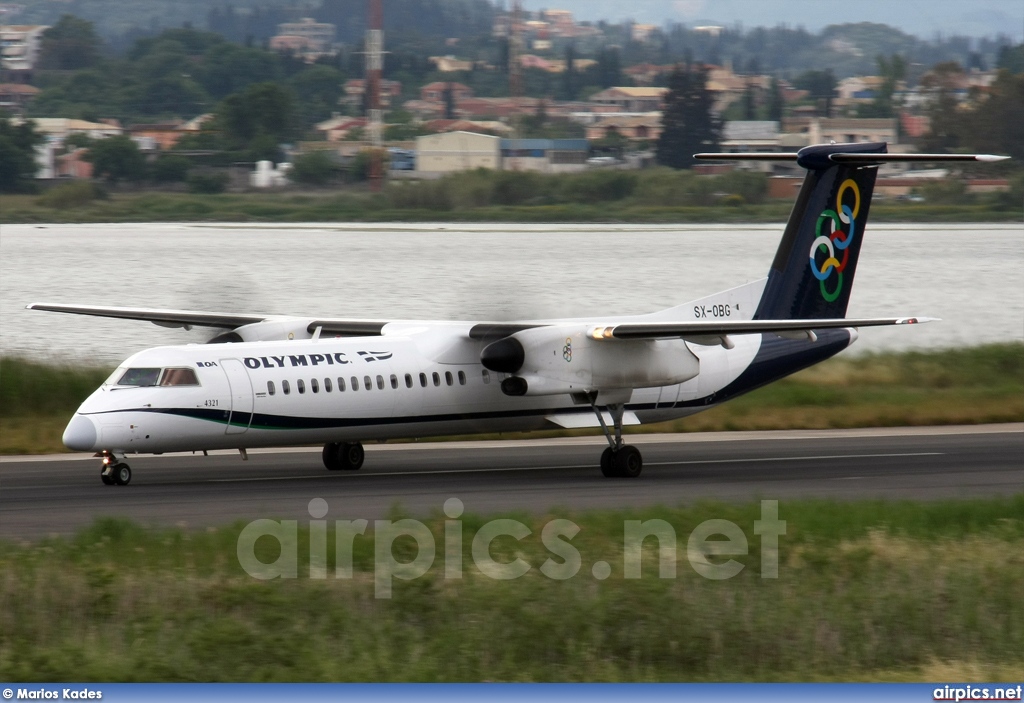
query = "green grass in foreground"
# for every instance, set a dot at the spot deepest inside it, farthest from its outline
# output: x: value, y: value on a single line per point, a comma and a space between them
x: 868, y: 590
x: 975, y: 385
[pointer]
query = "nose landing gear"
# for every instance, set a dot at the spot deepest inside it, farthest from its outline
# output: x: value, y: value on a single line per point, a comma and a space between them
x: 114, y: 471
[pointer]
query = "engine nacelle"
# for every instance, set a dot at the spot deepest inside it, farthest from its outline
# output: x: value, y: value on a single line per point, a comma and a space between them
x: 566, y: 359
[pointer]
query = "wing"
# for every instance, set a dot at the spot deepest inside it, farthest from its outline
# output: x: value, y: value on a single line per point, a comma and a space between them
x: 223, y: 320
x: 718, y: 332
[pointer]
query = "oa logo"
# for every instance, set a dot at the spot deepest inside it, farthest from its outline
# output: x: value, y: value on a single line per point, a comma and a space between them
x: 567, y: 349
x: 835, y: 231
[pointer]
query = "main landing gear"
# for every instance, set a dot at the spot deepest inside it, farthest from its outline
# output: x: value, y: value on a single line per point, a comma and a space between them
x: 114, y: 471
x: 346, y: 456
x: 618, y: 460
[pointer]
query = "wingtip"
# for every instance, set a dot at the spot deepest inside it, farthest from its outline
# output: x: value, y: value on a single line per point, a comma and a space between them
x: 988, y: 158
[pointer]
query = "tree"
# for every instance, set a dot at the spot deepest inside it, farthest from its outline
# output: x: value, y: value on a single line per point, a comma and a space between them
x: 117, y: 158
x: 688, y: 123
x: 449, y: 101
x: 261, y: 110
x: 17, y: 155
x: 775, y: 102
x: 69, y: 45
x: 820, y: 86
x: 314, y: 168
x: 892, y: 70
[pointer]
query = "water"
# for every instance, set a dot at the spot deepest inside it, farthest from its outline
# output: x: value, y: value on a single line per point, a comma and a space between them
x: 972, y: 276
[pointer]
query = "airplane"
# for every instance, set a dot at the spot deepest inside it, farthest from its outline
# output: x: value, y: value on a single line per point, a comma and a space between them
x: 273, y: 380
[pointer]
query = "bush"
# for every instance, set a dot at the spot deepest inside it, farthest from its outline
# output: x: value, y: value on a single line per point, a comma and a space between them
x: 314, y: 168
x: 170, y: 168
x: 598, y: 186
x: 71, y: 195
x: 207, y: 183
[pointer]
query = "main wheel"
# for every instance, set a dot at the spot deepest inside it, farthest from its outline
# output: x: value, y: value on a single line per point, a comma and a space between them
x: 628, y: 462
x: 608, y: 463
x: 122, y: 474
x: 351, y: 456
x: 107, y: 476
x: 331, y: 456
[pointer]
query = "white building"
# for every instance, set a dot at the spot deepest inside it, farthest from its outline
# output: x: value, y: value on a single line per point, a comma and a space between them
x: 19, y: 46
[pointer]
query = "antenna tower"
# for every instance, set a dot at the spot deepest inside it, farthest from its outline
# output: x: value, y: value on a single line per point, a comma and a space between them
x: 515, y: 50
x: 374, y: 65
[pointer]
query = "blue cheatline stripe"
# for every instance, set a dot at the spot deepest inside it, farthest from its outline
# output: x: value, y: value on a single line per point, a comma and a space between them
x: 499, y: 692
x: 776, y: 357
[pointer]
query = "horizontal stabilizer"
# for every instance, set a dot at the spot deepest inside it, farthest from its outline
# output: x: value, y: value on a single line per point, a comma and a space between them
x: 817, y: 160
x: 671, y: 330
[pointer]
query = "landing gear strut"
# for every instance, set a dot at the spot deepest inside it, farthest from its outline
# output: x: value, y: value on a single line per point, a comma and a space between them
x: 114, y: 471
x: 618, y: 460
x: 346, y: 456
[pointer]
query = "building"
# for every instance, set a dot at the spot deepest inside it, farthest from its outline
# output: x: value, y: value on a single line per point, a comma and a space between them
x: 544, y: 155
x: 435, y: 92
x: 60, y: 127
x: 355, y: 88
x: 633, y: 127
x: 450, y: 64
x: 457, y: 151
x: 306, y: 37
x: 629, y: 99
x: 753, y: 136
x: 340, y: 127
x: 162, y: 135
x: 14, y: 97
x: 19, y: 50
x: 843, y: 130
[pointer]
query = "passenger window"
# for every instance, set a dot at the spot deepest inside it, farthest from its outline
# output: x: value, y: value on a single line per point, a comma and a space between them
x: 437, y: 379
x: 285, y: 388
x: 408, y: 380
x: 341, y: 384
x: 179, y: 377
x: 423, y: 380
x: 270, y: 388
x: 380, y: 383
x: 327, y: 385
x: 139, y: 377
x: 462, y: 378
x: 314, y: 385
x: 394, y: 381
x: 367, y: 383
x: 301, y: 385
x: 448, y: 378
x: 487, y: 376
x: 355, y: 383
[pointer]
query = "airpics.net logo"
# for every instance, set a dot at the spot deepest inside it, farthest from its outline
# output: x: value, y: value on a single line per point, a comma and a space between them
x: 709, y: 547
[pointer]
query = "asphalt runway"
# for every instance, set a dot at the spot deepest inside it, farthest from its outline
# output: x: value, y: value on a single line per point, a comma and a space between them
x: 58, y: 494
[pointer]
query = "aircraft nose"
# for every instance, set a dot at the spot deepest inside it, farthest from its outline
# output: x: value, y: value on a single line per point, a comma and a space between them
x: 80, y: 434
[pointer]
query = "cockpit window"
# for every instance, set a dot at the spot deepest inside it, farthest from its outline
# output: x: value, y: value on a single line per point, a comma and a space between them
x: 139, y: 377
x: 179, y: 377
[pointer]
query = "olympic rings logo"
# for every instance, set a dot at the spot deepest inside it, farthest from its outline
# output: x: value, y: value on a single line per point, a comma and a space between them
x: 835, y: 242
x: 567, y: 349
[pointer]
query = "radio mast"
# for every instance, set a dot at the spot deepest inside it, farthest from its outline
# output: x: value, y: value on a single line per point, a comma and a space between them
x: 374, y: 65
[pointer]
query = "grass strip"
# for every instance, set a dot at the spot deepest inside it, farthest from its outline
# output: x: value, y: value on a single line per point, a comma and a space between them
x: 868, y: 590
x: 359, y: 207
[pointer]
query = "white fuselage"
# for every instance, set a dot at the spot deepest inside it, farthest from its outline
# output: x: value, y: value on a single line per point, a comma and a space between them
x: 417, y: 382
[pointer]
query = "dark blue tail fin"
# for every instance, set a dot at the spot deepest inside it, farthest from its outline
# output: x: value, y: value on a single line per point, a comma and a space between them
x: 812, y: 274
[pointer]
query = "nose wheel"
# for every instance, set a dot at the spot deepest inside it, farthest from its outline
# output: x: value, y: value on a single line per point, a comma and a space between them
x: 115, y: 472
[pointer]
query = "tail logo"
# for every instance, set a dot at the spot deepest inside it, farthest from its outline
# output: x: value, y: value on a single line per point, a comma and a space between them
x: 828, y: 245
